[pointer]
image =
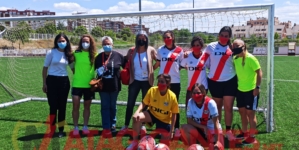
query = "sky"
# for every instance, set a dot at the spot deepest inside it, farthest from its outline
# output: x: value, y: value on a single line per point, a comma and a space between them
x: 285, y: 10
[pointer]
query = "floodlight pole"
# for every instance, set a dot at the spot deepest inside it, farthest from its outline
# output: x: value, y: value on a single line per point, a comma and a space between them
x: 140, y: 24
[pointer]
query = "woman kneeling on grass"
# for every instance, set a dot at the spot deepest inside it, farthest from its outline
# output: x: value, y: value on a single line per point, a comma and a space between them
x: 162, y: 110
x: 202, y: 116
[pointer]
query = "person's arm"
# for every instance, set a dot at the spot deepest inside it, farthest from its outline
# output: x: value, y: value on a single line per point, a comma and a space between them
x: 173, y: 120
x: 216, y: 128
x: 44, y: 75
x: 259, y: 75
x: 157, y: 64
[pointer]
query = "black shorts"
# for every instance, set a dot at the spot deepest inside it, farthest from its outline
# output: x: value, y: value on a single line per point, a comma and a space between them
x: 86, y: 92
x: 159, y: 124
x: 247, y: 100
x: 224, y: 88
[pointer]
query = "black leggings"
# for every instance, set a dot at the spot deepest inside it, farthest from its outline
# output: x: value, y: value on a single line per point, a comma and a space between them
x: 176, y: 88
x: 133, y: 92
x: 57, y: 94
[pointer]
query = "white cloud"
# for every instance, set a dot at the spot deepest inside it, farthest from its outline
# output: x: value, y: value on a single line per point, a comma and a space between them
x: 268, y: 0
x: 95, y: 11
x: 69, y: 6
x: 203, y: 3
x: 288, y: 12
x: 4, y: 8
x: 146, y: 5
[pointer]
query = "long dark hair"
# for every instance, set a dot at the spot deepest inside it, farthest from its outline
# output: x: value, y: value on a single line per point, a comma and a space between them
x: 92, y: 48
x: 67, y: 50
x: 199, y: 39
x: 229, y: 30
x: 167, y: 78
x: 172, y: 35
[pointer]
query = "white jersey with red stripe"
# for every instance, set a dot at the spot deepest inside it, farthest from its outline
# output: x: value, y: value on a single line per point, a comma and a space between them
x: 194, y: 112
x: 224, y: 70
x: 191, y: 64
x: 163, y: 55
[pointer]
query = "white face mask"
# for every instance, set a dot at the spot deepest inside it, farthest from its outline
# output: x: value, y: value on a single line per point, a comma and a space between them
x: 85, y: 45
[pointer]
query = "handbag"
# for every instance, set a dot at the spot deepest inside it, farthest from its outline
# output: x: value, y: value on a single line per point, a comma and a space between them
x: 125, y: 73
x: 96, y: 84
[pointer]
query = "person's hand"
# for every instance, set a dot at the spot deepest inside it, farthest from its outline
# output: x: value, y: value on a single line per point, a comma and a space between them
x: 205, y: 130
x: 136, y: 117
x: 186, y: 53
x: 256, y: 92
x: 45, y: 90
x: 217, y: 146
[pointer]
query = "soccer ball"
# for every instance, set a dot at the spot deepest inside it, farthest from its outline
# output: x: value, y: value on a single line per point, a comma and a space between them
x: 161, y: 146
x: 146, y: 143
x: 195, y: 147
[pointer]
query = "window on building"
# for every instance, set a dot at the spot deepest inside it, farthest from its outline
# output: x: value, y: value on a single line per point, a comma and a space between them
x: 257, y: 29
x: 243, y: 30
x: 263, y: 29
x: 278, y: 29
x: 238, y: 30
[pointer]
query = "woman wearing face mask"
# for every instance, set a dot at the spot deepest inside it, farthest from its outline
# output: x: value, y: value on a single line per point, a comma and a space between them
x: 83, y: 73
x: 162, y: 110
x: 196, y: 72
x: 141, y: 74
x: 202, y: 118
x: 222, y: 79
x: 108, y: 65
x: 169, y: 57
x: 249, y: 80
x: 56, y: 83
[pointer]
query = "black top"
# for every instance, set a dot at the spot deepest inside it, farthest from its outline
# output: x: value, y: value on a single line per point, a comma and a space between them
x: 111, y: 74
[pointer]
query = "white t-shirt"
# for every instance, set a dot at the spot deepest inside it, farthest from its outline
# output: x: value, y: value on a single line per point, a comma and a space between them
x: 219, y: 70
x: 196, y: 113
x: 191, y: 63
x: 163, y: 55
x: 141, y: 72
x: 56, y: 63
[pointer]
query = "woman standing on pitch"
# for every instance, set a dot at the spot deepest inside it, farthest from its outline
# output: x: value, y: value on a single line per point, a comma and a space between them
x: 202, y: 118
x: 108, y: 65
x: 249, y: 80
x: 222, y: 79
x: 196, y: 72
x: 141, y: 74
x: 83, y: 73
x: 56, y: 83
x: 169, y: 58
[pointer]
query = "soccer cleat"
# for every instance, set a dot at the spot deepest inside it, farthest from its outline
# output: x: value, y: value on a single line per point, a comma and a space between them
x: 106, y: 133
x: 249, y: 140
x: 76, y: 131
x: 60, y: 134
x: 230, y: 136
x: 113, y: 129
x: 241, y: 136
x: 85, y: 130
x: 143, y: 130
x: 133, y: 145
x: 123, y: 130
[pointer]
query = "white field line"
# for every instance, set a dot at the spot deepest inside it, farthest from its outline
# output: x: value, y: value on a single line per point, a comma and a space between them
x: 283, y: 80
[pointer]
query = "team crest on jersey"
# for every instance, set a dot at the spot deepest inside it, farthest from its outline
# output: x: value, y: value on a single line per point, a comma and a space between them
x: 164, y: 53
x: 191, y: 62
x: 206, y: 112
x: 155, y: 100
x: 165, y: 103
x: 194, y: 112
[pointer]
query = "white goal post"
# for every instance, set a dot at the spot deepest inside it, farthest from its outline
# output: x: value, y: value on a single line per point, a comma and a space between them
x: 268, y: 8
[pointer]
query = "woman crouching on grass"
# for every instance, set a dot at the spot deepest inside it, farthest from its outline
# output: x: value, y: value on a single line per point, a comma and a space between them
x: 202, y: 118
x: 162, y: 110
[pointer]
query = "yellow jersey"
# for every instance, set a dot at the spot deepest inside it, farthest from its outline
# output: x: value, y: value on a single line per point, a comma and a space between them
x: 162, y: 107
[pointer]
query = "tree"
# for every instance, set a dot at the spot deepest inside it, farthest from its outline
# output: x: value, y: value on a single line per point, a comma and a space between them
x: 276, y: 36
x: 2, y: 28
x: 80, y: 30
x: 61, y: 26
x: 297, y: 36
x: 126, y: 31
x: 111, y: 33
x: 124, y: 37
x: 11, y: 35
x: 24, y: 30
x: 97, y: 32
x: 203, y: 36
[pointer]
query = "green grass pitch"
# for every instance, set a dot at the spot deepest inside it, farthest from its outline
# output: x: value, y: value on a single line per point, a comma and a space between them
x: 22, y: 125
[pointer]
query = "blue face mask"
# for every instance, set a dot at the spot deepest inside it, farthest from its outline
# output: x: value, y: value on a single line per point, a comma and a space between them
x: 107, y: 48
x: 62, y: 45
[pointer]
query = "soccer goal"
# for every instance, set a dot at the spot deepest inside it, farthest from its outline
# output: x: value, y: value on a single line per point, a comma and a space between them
x: 26, y: 40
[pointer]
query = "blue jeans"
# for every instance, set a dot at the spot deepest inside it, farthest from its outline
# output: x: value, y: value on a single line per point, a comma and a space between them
x: 108, y: 109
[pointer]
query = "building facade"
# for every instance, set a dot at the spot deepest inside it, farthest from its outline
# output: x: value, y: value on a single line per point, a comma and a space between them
x: 88, y: 23
x: 17, y: 13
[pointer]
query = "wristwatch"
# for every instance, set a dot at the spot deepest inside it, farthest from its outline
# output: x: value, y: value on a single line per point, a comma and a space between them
x: 257, y: 87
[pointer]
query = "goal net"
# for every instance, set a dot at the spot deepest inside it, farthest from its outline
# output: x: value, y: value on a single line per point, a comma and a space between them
x: 25, y: 40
